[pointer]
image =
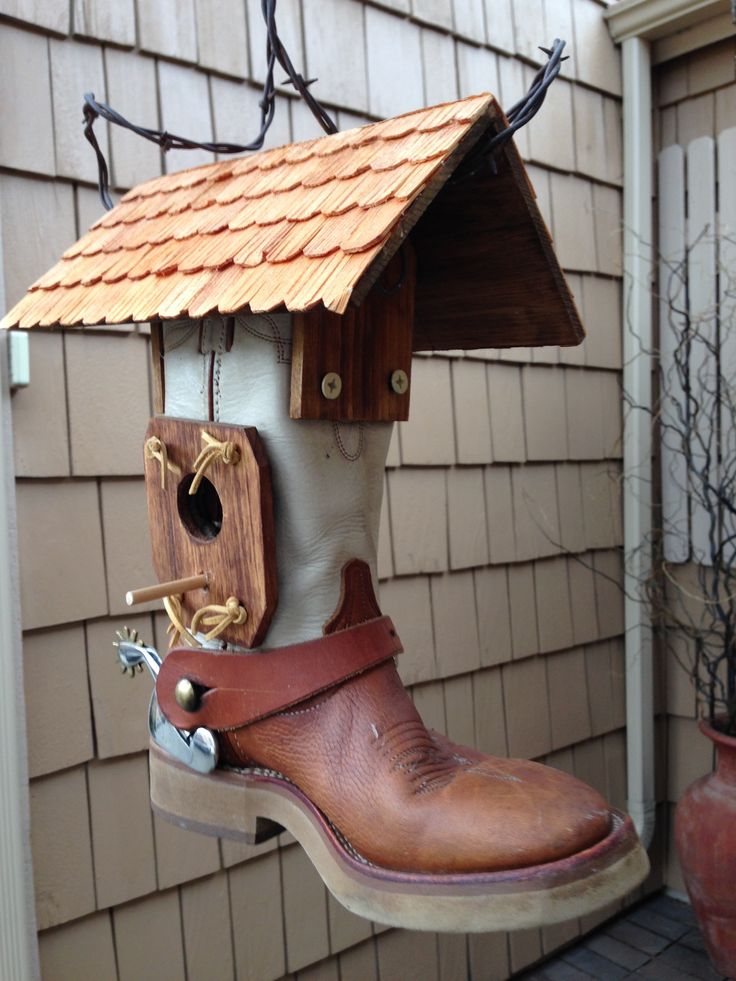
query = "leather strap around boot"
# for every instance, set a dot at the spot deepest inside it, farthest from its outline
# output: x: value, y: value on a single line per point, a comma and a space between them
x: 235, y: 690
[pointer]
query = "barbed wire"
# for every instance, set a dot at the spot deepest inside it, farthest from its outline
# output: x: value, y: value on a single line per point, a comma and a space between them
x: 518, y: 116
x: 275, y: 52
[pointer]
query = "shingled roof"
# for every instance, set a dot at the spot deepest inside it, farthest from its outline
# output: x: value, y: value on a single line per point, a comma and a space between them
x: 304, y: 224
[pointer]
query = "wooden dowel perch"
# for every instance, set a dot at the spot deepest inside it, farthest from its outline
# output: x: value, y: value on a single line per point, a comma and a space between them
x: 172, y: 588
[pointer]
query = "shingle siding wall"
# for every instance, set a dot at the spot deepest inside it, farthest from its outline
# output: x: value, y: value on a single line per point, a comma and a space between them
x: 695, y: 97
x: 502, y: 498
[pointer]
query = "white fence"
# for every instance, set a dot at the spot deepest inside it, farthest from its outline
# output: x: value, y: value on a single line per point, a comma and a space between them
x: 697, y: 330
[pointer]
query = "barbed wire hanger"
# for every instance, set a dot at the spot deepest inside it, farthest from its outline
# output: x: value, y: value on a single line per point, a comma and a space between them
x: 519, y: 114
x: 275, y: 52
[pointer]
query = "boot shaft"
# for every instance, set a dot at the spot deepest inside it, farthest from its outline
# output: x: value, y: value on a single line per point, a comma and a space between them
x: 327, y: 476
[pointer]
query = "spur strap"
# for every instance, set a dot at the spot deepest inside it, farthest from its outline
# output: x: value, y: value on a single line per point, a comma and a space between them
x: 223, y: 690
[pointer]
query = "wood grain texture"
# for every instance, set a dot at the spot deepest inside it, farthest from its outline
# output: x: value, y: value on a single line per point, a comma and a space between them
x: 364, y: 346
x: 241, y: 559
x: 487, y: 274
x: 158, y: 378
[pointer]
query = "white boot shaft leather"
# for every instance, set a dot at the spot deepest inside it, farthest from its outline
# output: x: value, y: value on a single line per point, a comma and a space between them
x: 327, y: 477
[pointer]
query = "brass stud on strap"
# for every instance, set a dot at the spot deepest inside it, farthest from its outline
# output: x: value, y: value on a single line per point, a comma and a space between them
x: 331, y: 385
x: 186, y: 695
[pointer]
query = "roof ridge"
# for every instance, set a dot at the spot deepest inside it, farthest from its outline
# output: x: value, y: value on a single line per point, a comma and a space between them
x: 263, y: 153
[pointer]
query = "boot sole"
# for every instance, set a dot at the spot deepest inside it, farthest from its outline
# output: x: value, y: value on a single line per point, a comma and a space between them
x: 252, y: 806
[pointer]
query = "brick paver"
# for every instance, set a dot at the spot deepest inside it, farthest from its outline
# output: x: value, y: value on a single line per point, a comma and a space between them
x: 658, y: 940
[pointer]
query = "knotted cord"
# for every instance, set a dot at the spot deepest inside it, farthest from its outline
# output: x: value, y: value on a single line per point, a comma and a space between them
x: 215, y: 615
x: 219, y: 617
x: 177, y: 628
x: 155, y: 449
x: 213, y: 449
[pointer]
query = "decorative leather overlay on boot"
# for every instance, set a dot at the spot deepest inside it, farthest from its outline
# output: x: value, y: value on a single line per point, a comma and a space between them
x: 357, y: 601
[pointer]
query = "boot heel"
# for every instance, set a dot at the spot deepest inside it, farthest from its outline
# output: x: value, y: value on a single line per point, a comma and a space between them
x: 195, y: 801
x: 263, y: 830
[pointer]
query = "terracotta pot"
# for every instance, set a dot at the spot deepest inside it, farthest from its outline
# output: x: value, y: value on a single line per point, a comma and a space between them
x: 705, y: 834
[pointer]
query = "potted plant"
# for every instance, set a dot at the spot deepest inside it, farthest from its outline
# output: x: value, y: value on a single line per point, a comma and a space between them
x: 692, y: 591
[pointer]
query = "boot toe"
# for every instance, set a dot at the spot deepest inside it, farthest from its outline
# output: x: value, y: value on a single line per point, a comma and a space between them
x: 491, y: 815
x: 508, y: 813
x: 520, y: 814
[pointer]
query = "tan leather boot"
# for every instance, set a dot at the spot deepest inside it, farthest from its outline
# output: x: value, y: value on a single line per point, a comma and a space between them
x: 316, y: 732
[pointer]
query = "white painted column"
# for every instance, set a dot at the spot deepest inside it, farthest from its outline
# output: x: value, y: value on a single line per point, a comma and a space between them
x: 726, y: 156
x: 637, y: 380
x: 18, y: 944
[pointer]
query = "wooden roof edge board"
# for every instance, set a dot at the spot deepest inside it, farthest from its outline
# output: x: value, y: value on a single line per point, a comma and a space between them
x: 491, y: 114
x: 545, y: 239
x: 490, y: 224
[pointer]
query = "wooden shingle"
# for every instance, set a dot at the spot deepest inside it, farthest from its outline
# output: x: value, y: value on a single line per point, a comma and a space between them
x: 314, y: 224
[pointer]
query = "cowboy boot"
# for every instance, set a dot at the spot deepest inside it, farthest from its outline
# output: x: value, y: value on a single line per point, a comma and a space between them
x: 316, y: 733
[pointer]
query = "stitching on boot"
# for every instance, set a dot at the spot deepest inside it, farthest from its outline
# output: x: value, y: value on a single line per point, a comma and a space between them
x: 309, y: 708
x: 364, y: 592
x: 426, y: 766
x: 235, y: 736
x: 355, y: 454
x: 493, y: 774
x: 368, y: 601
x: 282, y: 343
x: 218, y: 369
x: 205, y: 382
x: 172, y: 345
x: 348, y: 847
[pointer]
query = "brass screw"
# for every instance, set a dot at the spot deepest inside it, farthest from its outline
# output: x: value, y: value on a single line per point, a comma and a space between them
x: 399, y: 381
x: 186, y: 695
x: 331, y: 385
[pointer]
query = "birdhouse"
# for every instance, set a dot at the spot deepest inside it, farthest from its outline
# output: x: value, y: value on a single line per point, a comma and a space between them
x: 361, y: 247
x: 286, y: 292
